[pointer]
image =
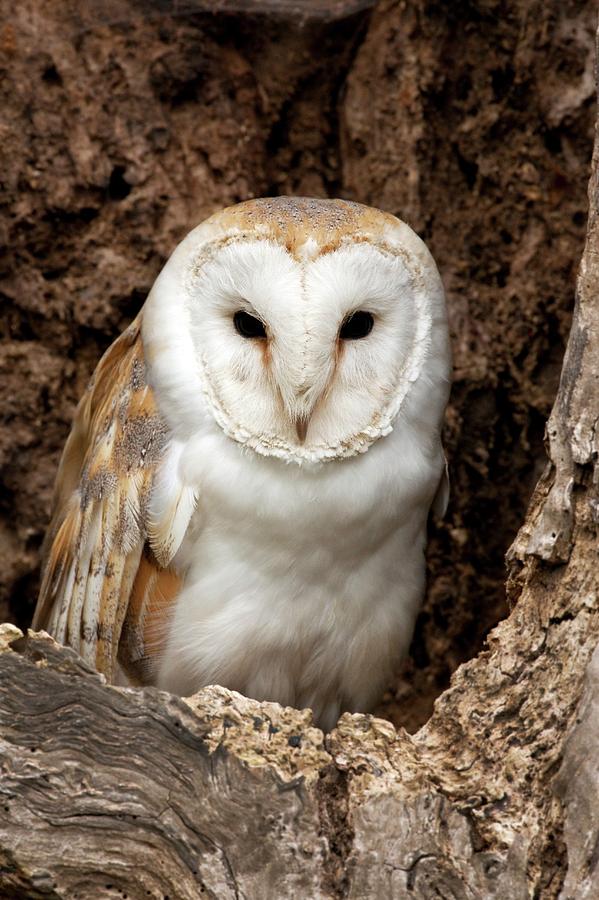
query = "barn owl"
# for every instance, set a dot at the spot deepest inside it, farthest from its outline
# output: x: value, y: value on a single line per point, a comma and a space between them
x: 244, y: 494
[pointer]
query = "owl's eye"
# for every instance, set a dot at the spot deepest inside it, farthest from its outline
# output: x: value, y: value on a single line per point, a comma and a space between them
x: 248, y: 326
x: 357, y: 326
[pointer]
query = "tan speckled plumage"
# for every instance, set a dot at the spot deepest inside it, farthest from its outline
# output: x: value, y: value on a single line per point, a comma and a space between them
x: 294, y: 221
x: 102, y: 492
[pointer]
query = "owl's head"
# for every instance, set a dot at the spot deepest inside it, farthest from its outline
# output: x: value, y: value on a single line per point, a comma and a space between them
x: 300, y: 326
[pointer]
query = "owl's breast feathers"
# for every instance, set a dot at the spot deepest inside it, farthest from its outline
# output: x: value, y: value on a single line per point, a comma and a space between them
x: 106, y: 580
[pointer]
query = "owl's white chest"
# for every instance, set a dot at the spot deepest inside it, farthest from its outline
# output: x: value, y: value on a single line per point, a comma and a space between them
x: 301, y: 584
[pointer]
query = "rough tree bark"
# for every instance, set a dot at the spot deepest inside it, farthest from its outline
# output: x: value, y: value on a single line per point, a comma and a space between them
x: 106, y: 792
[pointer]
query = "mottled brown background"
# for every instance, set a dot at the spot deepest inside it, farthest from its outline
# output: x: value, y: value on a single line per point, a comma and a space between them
x: 124, y: 123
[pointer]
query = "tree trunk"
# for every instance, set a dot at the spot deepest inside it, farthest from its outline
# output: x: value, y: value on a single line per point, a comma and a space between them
x: 107, y: 792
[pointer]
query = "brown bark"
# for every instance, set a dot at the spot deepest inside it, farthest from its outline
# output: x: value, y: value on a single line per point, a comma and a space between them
x: 107, y: 792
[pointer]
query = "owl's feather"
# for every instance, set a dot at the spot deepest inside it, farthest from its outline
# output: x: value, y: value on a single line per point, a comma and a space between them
x: 106, y: 570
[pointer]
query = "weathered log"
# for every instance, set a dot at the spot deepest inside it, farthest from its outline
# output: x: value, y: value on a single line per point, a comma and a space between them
x: 111, y: 792
x: 107, y: 792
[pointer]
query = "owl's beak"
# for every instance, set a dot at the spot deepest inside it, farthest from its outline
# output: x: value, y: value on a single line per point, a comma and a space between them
x: 301, y: 427
x: 300, y: 403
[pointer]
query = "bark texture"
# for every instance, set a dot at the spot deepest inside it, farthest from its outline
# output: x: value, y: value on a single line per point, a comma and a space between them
x: 125, y: 123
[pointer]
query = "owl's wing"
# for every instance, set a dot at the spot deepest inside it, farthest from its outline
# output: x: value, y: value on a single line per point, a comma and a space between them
x: 106, y: 577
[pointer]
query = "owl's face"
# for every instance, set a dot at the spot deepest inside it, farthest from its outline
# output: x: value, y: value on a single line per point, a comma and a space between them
x: 305, y: 323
